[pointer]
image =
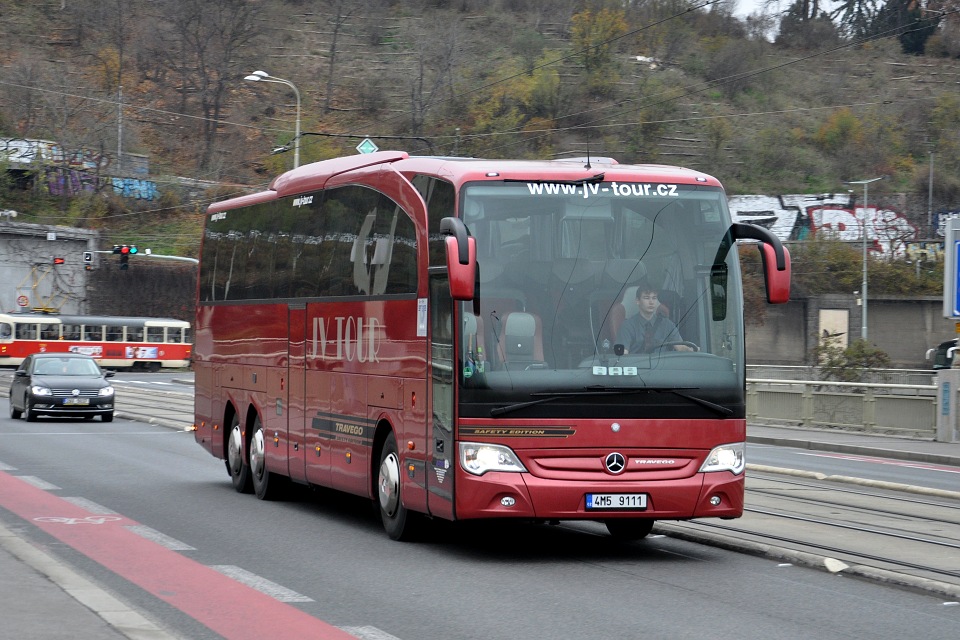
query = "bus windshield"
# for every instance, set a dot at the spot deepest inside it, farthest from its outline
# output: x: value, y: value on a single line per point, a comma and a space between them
x: 600, y: 288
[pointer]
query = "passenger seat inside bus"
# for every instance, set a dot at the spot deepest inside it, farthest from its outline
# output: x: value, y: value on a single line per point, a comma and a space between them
x: 520, y: 341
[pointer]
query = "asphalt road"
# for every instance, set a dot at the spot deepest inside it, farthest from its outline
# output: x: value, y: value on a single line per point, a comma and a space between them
x: 205, y: 562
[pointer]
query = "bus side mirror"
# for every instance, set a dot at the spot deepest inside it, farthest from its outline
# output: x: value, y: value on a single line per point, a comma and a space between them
x: 775, y: 257
x: 778, y: 280
x: 461, y: 258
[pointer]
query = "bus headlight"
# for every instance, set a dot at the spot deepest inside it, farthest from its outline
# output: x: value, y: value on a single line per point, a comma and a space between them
x: 478, y: 458
x: 726, y: 457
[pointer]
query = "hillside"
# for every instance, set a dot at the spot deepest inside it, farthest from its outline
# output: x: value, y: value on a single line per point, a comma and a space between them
x: 639, y: 81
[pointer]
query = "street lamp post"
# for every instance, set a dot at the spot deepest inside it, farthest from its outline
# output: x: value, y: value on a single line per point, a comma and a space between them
x: 863, y: 307
x: 263, y: 76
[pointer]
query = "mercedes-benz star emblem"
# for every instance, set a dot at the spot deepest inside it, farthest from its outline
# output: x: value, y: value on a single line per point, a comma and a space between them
x: 615, y: 462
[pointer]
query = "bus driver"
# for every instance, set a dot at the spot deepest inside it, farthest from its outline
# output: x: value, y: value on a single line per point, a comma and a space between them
x: 648, y: 330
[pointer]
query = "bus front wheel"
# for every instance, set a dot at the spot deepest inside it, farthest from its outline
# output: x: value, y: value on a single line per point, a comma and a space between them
x: 397, y: 520
x: 632, y: 529
x: 236, y: 458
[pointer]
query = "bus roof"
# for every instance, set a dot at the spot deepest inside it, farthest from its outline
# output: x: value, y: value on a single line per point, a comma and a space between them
x: 313, y: 176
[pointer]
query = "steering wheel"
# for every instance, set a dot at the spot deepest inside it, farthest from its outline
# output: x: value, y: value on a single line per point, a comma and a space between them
x: 675, y: 343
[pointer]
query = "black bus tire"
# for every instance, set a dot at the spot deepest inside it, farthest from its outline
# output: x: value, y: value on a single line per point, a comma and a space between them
x: 236, y: 460
x: 398, y: 521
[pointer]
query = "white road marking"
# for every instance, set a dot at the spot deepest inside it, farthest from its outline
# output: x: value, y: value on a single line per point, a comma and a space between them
x: 39, y: 483
x: 162, y: 539
x: 369, y: 633
x: 90, y: 506
x: 260, y: 583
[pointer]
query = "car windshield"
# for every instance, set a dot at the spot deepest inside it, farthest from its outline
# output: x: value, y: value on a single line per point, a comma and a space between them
x: 65, y: 367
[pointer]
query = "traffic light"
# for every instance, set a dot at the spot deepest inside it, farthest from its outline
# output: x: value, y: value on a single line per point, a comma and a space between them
x: 57, y: 260
x: 124, y: 257
x: 88, y: 260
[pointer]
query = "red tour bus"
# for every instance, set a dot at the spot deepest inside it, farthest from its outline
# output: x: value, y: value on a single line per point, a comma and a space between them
x: 444, y: 336
x: 115, y: 342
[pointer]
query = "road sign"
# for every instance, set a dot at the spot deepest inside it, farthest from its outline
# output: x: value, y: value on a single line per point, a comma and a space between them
x: 23, y: 301
x: 367, y: 146
x: 951, y: 269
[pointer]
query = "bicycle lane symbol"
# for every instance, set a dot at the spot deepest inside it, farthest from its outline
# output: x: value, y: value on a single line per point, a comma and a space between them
x: 87, y: 520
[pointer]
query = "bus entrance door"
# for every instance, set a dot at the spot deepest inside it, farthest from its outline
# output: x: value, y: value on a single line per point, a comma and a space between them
x: 442, y: 379
x: 295, y: 396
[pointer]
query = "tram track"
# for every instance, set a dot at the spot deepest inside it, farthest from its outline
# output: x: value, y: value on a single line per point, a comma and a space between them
x: 845, y: 530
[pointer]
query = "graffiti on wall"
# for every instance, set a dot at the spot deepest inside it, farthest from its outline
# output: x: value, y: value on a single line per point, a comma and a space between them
x: 796, y: 217
x: 70, y: 182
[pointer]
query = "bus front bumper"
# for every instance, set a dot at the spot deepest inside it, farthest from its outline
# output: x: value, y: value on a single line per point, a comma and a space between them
x: 522, y: 495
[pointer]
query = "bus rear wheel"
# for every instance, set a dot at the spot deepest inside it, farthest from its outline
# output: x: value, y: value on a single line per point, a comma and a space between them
x: 634, y: 529
x: 237, y: 459
x: 399, y: 523
x: 266, y: 485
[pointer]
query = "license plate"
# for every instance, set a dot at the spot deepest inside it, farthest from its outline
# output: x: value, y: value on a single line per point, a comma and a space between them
x: 614, y: 501
x: 74, y: 402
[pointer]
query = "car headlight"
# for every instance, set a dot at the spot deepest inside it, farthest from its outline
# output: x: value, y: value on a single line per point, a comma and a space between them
x: 726, y: 457
x: 37, y: 390
x: 106, y: 392
x: 478, y: 458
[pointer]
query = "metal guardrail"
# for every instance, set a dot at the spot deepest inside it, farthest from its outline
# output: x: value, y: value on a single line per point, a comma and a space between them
x: 888, y: 409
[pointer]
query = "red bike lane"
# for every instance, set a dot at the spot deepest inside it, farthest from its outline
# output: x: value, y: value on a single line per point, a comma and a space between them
x: 225, y: 606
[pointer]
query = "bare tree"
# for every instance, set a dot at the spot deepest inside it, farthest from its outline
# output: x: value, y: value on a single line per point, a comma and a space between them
x: 201, y: 43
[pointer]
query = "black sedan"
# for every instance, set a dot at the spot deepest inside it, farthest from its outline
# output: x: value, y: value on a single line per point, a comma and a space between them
x: 62, y: 384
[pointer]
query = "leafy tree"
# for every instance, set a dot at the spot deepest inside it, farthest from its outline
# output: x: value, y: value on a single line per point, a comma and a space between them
x: 847, y: 364
x: 856, y: 17
x: 802, y: 30
x: 594, y: 33
x: 908, y: 18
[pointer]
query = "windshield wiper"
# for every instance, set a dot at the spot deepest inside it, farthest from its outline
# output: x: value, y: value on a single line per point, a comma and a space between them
x: 588, y: 180
x: 549, y: 396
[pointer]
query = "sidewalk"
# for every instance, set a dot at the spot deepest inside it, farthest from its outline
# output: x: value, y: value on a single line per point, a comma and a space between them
x: 42, y: 598
x: 945, y: 453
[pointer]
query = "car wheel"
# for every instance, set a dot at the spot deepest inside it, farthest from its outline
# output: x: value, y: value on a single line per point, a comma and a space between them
x: 27, y: 409
x: 106, y: 417
x: 14, y: 412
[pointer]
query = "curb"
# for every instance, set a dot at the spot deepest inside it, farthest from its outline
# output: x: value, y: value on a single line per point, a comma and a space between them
x: 811, y: 560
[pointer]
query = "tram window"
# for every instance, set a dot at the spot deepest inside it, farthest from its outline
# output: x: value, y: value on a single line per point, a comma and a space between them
x: 134, y: 334
x: 173, y: 334
x: 93, y: 333
x: 154, y: 334
x: 26, y: 332
x: 49, y: 331
x: 6, y: 330
x: 70, y: 331
x: 114, y: 333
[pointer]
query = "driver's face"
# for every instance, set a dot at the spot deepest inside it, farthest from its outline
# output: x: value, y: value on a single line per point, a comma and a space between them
x: 648, y: 303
